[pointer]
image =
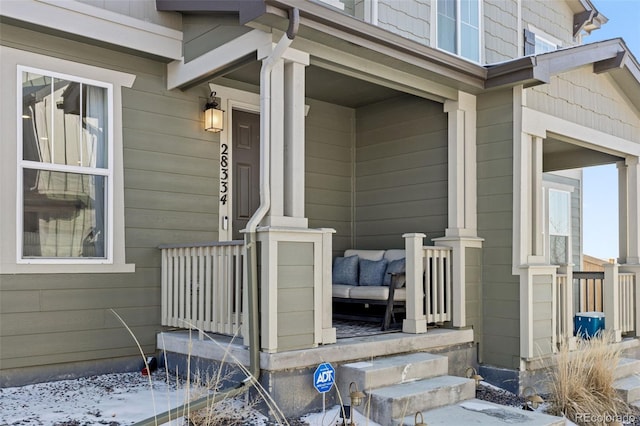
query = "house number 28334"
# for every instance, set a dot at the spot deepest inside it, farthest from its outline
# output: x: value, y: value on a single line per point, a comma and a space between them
x: 224, y: 173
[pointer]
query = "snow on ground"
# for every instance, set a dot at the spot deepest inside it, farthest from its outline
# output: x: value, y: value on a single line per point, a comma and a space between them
x: 113, y: 400
x: 110, y: 399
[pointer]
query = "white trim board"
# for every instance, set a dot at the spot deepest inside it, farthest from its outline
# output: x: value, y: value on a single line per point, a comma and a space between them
x: 96, y: 23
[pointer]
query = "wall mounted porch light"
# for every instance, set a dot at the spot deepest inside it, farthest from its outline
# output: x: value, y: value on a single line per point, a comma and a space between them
x: 213, y: 115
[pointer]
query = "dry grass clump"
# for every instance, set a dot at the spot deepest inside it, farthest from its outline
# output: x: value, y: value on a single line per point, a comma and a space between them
x: 582, y: 382
x: 228, y: 411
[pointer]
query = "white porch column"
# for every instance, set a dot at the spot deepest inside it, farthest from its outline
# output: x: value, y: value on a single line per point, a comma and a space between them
x: 287, y: 140
x: 611, y: 298
x: 462, y: 177
x: 415, y: 320
x: 462, y: 224
x: 633, y: 210
x: 277, y: 141
x: 294, y: 140
x: 537, y: 194
x: 622, y: 212
x: 528, y: 219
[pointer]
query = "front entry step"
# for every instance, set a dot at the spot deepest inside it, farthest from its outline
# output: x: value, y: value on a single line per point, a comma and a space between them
x: 477, y: 412
x: 628, y: 388
x: 390, y: 371
x: 626, y: 367
x: 395, y: 401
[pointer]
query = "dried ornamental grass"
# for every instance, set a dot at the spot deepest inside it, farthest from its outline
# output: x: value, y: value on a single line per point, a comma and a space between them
x: 582, y: 382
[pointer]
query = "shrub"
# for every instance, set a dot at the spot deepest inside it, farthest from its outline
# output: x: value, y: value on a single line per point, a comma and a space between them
x: 582, y: 382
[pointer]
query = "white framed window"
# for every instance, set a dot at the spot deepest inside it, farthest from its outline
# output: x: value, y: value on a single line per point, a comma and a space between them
x: 559, y: 227
x: 537, y: 41
x: 458, y: 27
x: 542, y: 45
x: 65, y: 168
x: 61, y: 168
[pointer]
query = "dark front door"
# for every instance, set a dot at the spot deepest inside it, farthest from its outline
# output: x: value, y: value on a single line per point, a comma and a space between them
x: 246, y: 169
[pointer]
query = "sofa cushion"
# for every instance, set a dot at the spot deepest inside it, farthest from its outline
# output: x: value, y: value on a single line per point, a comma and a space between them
x: 394, y: 254
x: 341, y: 290
x: 396, y: 267
x: 369, y: 292
x: 372, y: 272
x: 345, y: 270
x: 365, y: 254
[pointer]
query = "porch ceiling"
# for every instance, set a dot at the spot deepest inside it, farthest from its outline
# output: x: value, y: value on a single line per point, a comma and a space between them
x: 325, y: 85
x: 562, y: 155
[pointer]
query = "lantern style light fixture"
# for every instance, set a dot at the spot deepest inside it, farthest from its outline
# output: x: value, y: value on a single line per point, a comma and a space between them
x: 213, y: 115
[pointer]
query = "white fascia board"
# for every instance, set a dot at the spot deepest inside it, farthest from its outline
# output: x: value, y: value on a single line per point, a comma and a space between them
x: 540, y: 124
x: 180, y: 73
x: 96, y: 23
x: 345, y: 63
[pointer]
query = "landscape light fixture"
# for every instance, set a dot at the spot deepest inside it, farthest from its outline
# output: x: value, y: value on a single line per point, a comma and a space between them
x: 533, y: 399
x: 356, y: 396
x: 421, y: 422
x: 471, y: 373
x: 213, y: 115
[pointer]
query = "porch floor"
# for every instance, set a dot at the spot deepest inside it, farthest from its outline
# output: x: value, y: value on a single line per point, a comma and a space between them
x: 367, y: 341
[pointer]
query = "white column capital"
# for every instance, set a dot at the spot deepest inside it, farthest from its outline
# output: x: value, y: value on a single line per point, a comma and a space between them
x: 290, y: 55
x: 465, y: 102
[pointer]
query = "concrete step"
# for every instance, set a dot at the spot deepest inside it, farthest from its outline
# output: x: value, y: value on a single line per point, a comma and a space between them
x: 627, y: 367
x: 628, y: 388
x: 389, y: 371
x: 476, y: 412
x: 396, y: 401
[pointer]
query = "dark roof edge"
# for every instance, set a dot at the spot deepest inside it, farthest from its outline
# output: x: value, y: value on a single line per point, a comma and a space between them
x: 531, y: 70
x: 247, y: 10
x: 326, y: 16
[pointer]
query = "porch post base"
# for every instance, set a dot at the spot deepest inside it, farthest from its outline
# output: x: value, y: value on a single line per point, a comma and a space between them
x: 414, y: 326
x: 287, y: 221
x: 329, y: 335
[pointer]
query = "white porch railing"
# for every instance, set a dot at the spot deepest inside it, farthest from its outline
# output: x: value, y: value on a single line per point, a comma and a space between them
x: 626, y: 298
x: 612, y: 292
x: 437, y: 283
x: 564, y: 308
x: 202, y: 286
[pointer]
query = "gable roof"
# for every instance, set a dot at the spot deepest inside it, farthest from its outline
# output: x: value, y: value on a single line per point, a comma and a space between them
x: 609, y: 56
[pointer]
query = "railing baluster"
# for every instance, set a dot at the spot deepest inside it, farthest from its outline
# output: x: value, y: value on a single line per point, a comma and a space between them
x: 208, y: 303
x: 201, y: 286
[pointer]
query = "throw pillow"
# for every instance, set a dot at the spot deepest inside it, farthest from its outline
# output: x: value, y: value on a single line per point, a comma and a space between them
x: 397, y: 267
x: 345, y: 270
x: 372, y: 271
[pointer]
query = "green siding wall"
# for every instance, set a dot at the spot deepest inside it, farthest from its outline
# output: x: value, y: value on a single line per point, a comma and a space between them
x: 295, y: 296
x: 401, y: 171
x: 170, y: 192
x: 501, y: 298
x: 329, y: 170
x: 203, y: 33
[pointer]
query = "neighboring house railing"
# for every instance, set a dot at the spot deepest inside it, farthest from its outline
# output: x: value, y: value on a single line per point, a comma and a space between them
x: 589, y: 286
x: 202, y: 286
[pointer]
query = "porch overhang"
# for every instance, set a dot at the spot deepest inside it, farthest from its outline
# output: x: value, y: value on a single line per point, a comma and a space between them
x: 610, y: 56
x: 321, y: 27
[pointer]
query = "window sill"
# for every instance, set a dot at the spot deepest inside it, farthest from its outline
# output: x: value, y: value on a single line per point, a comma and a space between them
x: 78, y: 268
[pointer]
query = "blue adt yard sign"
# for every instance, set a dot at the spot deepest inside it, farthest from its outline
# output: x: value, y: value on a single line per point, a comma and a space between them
x: 324, y: 377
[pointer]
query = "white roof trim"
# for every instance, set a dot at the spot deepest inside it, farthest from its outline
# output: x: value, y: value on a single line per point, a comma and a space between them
x: 96, y: 23
x: 539, y: 124
x: 180, y: 73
